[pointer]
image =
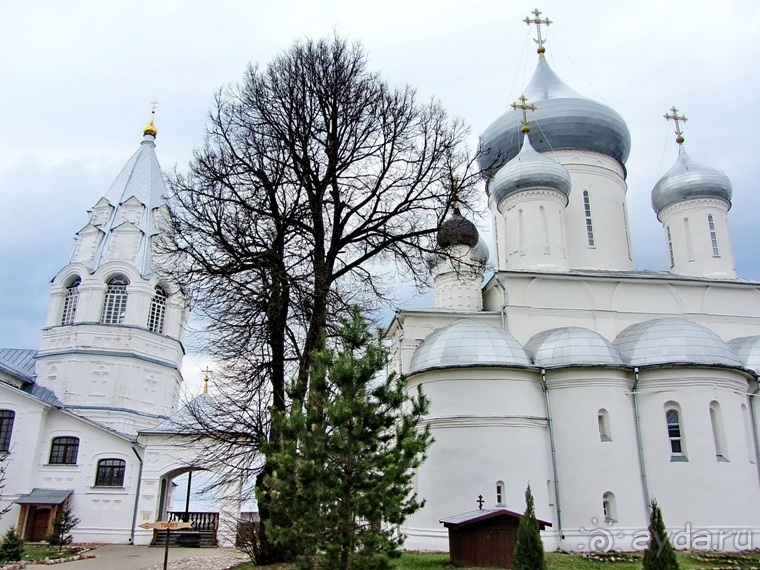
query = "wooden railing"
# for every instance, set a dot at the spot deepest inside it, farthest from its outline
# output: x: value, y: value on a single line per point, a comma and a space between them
x: 201, y: 521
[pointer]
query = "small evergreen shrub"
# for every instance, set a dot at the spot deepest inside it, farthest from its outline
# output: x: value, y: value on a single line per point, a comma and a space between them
x: 529, y: 549
x: 12, y: 546
x: 660, y: 554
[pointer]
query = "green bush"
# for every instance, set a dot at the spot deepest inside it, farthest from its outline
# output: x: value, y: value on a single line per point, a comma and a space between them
x: 12, y: 546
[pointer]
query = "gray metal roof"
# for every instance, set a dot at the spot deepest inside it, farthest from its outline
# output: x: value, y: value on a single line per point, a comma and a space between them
x: 689, y: 179
x: 673, y: 340
x: 40, y: 496
x: 468, y: 343
x: 470, y: 517
x: 142, y: 179
x: 529, y: 170
x: 563, y: 120
x: 572, y: 346
x: 19, y: 362
x: 185, y: 419
x: 44, y: 394
x: 747, y: 348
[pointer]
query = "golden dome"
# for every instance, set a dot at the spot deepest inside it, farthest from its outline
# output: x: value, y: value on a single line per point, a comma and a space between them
x: 150, y: 129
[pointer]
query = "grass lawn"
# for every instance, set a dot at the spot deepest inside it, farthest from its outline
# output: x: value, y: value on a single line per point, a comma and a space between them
x: 40, y: 552
x: 558, y: 561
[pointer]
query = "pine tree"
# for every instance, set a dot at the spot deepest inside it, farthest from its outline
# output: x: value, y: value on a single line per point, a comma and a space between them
x: 529, y: 550
x: 342, y: 476
x: 660, y: 554
x: 12, y: 546
x: 63, y: 524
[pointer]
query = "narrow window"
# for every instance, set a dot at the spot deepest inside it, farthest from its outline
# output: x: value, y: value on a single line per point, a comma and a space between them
x: 687, y: 234
x: 157, y: 311
x: 609, y: 507
x: 627, y: 233
x: 589, y: 224
x: 500, y: 493
x: 6, y: 429
x: 603, y: 417
x: 521, y: 233
x: 550, y: 492
x: 675, y: 435
x: 719, y: 435
x: 110, y: 473
x: 670, y: 247
x: 748, y: 434
x: 70, y: 301
x: 64, y: 451
x: 115, y: 303
x: 713, y: 236
x: 544, y: 223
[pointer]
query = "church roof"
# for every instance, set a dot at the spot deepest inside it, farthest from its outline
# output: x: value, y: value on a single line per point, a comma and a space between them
x: 468, y: 343
x: 572, y: 346
x: 184, y: 420
x: 19, y: 362
x: 140, y: 183
x: 747, y: 349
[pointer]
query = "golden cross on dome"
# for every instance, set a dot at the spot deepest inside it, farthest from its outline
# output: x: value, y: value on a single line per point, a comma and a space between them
x: 676, y: 117
x: 538, y: 21
x: 205, y: 379
x: 525, y: 108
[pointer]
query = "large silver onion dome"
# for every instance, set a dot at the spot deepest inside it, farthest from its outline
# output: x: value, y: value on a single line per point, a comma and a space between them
x: 689, y: 179
x: 529, y: 169
x: 747, y: 348
x: 466, y: 344
x: 564, y: 119
x: 672, y: 340
x: 572, y: 346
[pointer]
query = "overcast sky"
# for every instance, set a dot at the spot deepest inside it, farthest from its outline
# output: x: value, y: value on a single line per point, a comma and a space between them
x: 76, y: 79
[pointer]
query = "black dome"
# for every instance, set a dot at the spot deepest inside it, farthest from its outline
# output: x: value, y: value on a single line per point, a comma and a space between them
x: 456, y: 230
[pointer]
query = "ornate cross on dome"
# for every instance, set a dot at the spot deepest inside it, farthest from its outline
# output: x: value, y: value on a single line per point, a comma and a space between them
x: 538, y: 21
x: 205, y: 379
x: 525, y: 108
x: 676, y: 117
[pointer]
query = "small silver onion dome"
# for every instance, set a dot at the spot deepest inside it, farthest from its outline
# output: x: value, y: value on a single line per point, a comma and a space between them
x: 572, y: 346
x: 563, y: 119
x: 747, y: 348
x: 672, y: 340
x: 688, y: 179
x: 457, y: 230
x: 466, y: 344
x: 528, y: 170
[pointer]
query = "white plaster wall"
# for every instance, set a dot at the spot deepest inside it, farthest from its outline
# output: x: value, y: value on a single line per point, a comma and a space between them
x: 457, y: 281
x: 691, y: 240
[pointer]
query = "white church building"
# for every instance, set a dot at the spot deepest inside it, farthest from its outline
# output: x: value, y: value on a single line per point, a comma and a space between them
x: 600, y: 385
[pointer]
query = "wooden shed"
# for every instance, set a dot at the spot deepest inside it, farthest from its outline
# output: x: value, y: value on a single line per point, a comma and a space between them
x: 485, y: 537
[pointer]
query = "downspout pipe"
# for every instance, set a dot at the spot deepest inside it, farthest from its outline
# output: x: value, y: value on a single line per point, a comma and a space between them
x: 505, y: 302
x: 754, y: 427
x: 137, y: 496
x: 639, y: 441
x: 554, y: 453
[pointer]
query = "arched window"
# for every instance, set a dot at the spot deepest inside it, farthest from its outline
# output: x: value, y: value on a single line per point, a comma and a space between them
x: 64, y: 451
x: 499, y: 493
x: 110, y: 473
x: 748, y: 434
x: 719, y: 435
x: 589, y: 223
x: 675, y: 434
x: 713, y: 235
x: 70, y: 301
x: 157, y: 311
x: 7, y: 418
x: 115, y: 303
x: 603, y: 418
x: 609, y: 507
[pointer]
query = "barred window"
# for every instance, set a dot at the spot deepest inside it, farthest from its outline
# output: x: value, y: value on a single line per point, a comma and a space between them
x: 115, y: 302
x: 70, y: 301
x: 157, y: 311
x: 6, y: 429
x: 110, y: 473
x: 713, y: 235
x: 589, y: 223
x: 64, y: 451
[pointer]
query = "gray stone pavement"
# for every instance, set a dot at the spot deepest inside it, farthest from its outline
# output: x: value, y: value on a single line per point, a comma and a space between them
x: 124, y: 557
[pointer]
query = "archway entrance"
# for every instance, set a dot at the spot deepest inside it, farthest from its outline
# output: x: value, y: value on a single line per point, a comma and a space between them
x: 178, y: 501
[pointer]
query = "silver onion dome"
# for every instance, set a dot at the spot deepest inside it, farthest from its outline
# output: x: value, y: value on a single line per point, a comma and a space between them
x: 672, y: 340
x: 529, y: 170
x: 564, y: 119
x: 467, y: 344
x: 688, y: 179
x: 572, y: 346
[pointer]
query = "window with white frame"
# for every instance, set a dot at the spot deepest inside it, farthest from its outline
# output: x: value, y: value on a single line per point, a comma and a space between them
x: 110, y: 473
x: 603, y: 419
x: 675, y: 434
x: 115, y: 302
x: 589, y: 223
x: 70, y: 301
x: 500, y: 493
x: 157, y: 311
x: 609, y: 507
x: 713, y: 235
x: 7, y: 417
x: 64, y: 451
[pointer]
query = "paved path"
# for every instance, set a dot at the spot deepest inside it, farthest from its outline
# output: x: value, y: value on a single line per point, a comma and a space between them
x: 123, y: 557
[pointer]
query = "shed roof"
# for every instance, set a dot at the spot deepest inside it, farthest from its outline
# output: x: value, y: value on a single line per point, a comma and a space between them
x: 471, y: 517
x: 44, y: 496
